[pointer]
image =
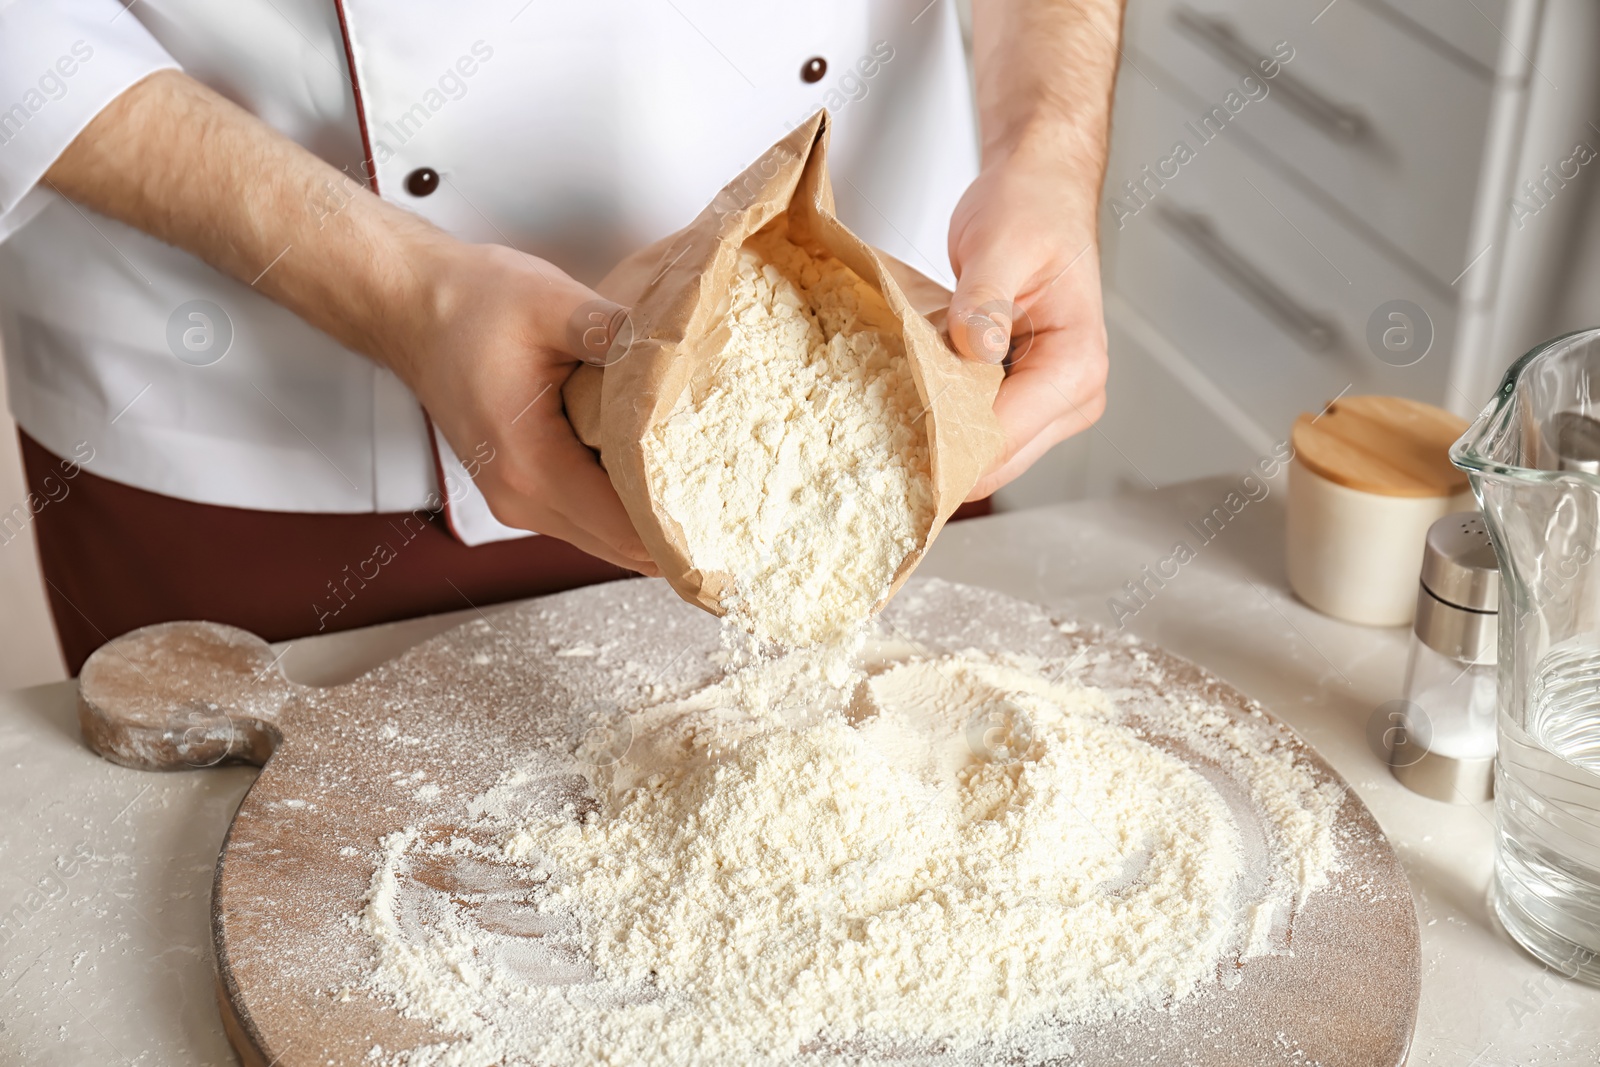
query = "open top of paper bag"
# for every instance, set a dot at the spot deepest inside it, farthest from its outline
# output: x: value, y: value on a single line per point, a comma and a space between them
x: 678, y: 292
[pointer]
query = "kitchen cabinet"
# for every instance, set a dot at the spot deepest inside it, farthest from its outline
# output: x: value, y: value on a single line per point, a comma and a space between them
x: 1292, y: 184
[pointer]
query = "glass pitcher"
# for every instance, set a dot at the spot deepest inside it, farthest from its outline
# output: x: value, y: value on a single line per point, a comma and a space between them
x: 1533, y: 456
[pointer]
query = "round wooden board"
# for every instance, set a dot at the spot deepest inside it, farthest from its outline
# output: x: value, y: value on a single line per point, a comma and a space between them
x: 409, y: 744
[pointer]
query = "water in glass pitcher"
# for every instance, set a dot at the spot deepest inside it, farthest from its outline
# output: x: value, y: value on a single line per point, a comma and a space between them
x: 1548, y: 802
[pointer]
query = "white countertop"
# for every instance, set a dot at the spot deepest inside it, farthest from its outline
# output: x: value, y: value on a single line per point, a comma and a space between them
x: 105, y: 873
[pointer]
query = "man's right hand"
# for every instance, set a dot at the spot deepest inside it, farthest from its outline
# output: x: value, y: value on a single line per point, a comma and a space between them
x: 496, y: 337
x: 479, y: 332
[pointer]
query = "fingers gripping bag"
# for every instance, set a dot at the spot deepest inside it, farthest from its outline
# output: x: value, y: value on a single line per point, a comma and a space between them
x: 788, y: 428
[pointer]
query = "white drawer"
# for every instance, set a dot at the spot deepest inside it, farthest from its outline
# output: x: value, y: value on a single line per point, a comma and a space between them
x: 1263, y: 290
x: 1153, y: 432
x: 1154, y: 428
x: 1474, y: 29
x: 1390, y: 130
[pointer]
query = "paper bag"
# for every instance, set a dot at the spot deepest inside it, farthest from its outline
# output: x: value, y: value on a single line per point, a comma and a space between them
x: 678, y: 289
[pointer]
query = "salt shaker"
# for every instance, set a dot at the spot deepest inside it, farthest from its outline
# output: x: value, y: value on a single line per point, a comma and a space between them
x: 1446, y: 747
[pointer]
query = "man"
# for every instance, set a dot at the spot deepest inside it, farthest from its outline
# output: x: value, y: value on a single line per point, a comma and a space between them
x: 281, y: 276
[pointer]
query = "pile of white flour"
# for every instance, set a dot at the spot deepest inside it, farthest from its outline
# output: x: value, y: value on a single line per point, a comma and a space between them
x: 970, y: 861
x: 854, y: 851
x: 800, y: 467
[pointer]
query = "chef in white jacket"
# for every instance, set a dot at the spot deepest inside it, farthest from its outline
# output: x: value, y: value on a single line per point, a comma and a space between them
x: 288, y: 286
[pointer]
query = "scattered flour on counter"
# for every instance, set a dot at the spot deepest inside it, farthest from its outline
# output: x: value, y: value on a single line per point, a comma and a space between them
x: 801, y: 467
x: 969, y: 861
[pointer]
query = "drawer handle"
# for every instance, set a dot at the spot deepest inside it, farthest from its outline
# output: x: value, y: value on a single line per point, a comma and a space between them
x: 1218, y: 35
x: 1315, y: 333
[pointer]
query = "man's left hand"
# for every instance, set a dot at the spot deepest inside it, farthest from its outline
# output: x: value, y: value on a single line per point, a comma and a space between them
x: 1024, y: 247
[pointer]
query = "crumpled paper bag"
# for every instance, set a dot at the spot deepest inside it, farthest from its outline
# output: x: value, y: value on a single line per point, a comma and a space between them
x: 677, y: 290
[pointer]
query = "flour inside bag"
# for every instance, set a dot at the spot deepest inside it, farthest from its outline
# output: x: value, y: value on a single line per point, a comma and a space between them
x: 787, y: 431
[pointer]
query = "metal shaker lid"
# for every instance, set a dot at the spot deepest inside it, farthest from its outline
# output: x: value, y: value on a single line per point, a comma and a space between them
x: 1570, y: 442
x: 1458, y: 564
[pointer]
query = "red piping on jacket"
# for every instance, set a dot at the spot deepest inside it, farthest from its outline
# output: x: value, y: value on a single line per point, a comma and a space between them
x: 369, y: 164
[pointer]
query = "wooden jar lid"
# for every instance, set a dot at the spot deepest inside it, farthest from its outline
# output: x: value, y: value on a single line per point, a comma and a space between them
x: 1385, y: 445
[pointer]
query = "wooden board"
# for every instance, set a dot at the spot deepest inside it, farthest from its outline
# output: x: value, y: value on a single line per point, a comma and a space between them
x: 411, y: 742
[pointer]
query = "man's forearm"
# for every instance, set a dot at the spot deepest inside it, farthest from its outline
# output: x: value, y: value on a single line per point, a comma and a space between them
x: 176, y: 160
x: 1045, y: 72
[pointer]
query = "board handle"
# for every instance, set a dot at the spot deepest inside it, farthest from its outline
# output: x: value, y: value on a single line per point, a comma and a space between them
x: 183, y: 695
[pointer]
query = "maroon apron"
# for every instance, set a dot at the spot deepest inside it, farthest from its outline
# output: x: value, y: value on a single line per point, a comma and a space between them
x: 116, y: 558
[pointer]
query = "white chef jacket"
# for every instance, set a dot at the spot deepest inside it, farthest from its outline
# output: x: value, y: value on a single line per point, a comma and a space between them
x: 574, y: 131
